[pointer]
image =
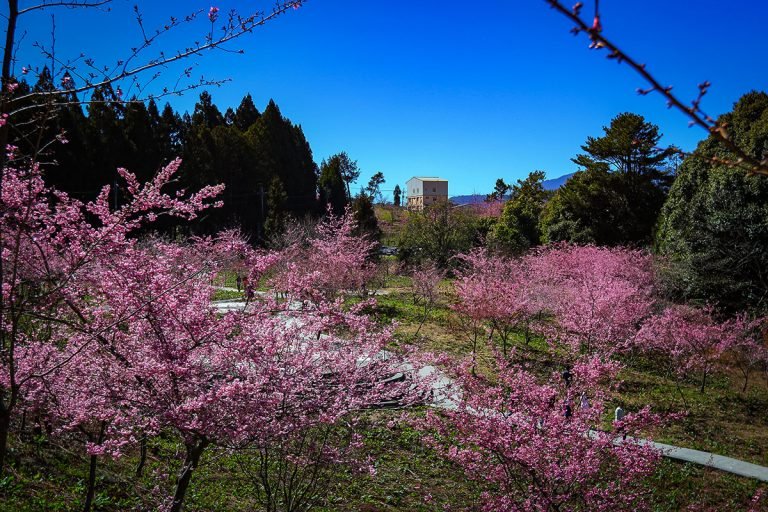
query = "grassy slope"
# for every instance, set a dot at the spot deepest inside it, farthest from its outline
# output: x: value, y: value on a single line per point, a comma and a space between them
x: 50, y: 477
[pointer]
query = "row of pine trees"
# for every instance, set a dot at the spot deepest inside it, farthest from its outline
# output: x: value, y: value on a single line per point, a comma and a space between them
x: 263, y: 158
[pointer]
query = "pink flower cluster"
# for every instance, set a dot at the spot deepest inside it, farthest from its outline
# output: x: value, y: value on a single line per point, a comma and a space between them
x: 213, y: 14
x: 118, y: 339
x: 512, y: 437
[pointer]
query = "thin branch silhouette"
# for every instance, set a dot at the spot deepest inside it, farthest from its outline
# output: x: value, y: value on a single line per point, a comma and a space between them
x: 694, y: 112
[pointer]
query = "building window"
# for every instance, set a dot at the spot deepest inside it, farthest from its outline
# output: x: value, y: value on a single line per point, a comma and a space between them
x: 434, y: 189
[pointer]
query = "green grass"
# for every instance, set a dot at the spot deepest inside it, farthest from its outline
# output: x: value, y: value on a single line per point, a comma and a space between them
x: 47, y: 477
x: 677, y: 485
x: 227, y: 295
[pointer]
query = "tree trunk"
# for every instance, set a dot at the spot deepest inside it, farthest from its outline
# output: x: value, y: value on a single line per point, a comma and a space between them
x: 194, y: 451
x: 142, y: 456
x: 5, y: 426
x: 680, y: 390
x: 504, y: 346
x: 91, y: 490
x: 91, y: 485
x: 423, y: 318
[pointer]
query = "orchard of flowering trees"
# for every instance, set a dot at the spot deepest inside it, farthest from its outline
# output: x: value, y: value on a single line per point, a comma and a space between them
x: 112, y: 340
x: 590, y: 300
x: 522, y: 434
x: 116, y: 355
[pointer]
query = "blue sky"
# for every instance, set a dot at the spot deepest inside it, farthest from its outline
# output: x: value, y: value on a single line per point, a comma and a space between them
x: 468, y: 91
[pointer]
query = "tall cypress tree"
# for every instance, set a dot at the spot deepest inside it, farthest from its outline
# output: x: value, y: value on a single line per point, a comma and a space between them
x: 142, y: 151
x: 106, y: 140
x: 206, y: 113
x: 282, y: 150
x: 276, y: 216
x: 170, y: 134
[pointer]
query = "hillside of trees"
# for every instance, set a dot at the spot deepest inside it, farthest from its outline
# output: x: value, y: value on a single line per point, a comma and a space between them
x: 247, y: 150
x: 706, y: 219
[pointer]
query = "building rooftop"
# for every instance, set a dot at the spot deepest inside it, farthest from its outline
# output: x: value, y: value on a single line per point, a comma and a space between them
x: 428, y: 178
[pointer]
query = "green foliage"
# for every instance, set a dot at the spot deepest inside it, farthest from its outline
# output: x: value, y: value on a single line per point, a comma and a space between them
x: 374, y: 184
x: 348, y: 169
x: 518, y: 227
x: 246, y: 114
x: 396, y: 195
x: 206, y: 113
x: 276, y: 201
x: 587, y: 209
x: 331, y: 183
x: 365, y: 216
x: 281, y: 149
x: 499, y: 190
x: 242, y: 149
x: 438, y: 233
x: 616, y: 198
x: 714, y: 225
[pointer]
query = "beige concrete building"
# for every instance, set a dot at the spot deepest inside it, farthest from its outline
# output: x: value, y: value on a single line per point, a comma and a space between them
x: 424, y: 191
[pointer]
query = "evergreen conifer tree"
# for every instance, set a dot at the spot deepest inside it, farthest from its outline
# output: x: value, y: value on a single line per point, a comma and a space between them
x: 276, y: 215
x: 713, y: 228
x: 616, y: 198
x: 331, y: 185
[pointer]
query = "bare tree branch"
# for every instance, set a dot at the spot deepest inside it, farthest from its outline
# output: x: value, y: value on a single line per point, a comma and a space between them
x: 70, y: 5
x: 234, y: 28
x: 693, y: 112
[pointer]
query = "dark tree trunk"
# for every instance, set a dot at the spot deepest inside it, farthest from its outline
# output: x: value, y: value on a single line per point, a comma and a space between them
x: 5, y: 426
x: 91, y: 491
x: 142, y: 456
x: 91, y: 485
x: 194, y: 451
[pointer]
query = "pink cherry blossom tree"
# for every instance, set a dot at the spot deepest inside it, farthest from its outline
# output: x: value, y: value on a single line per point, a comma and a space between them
x: 690, y: 338
x: 333, y: 260
x: 261, y: 379
x: 53, y: 248
x: 529, y: 448
x: 498, y: 292
x: 748, y: 351
x: 425, y: 283
x: 597, y: 295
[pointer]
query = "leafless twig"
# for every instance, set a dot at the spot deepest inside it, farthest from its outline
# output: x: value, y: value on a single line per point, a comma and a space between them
x: 694, y: 112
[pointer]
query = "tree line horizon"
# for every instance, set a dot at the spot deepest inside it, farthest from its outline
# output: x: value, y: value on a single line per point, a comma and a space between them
x: 626, y: 191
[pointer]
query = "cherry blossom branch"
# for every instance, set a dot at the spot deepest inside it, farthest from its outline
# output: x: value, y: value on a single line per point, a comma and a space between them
x: 235, y: 27
x: 99, y: 334
x: 69, y: 5
x: 694, y: 112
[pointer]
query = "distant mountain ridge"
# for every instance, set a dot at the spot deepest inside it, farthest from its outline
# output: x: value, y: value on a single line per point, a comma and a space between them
x: 552, y: 184
x: 556, y: 183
